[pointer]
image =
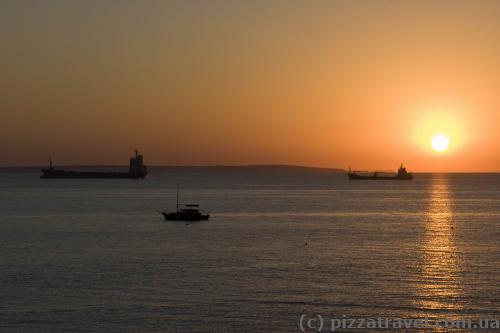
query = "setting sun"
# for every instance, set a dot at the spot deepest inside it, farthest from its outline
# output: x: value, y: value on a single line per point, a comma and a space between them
x: 442, y: 129
x: 440, y: 142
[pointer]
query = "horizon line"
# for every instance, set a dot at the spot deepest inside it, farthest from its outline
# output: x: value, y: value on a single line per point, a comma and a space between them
x: 337, y: 169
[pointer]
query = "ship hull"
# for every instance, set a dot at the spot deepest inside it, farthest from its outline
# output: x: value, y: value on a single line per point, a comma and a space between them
x: 354, y: 176
x: 61, y: 174
x: 185, y: 217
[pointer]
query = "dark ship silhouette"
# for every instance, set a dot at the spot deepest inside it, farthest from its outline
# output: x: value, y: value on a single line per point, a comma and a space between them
x: 379, y: 175
x: 136, y: 170
x: 185, y: 212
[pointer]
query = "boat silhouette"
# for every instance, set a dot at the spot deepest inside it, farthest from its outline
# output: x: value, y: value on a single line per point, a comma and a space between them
x: 136, y: 170
x: 402, y: 174
x: 185, y: 212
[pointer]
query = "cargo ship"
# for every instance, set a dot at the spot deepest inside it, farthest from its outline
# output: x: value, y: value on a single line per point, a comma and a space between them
x: 402, y: 174
x: 137, y: 170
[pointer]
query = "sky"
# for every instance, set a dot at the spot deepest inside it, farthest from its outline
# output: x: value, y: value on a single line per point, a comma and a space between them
x: 365, y: 84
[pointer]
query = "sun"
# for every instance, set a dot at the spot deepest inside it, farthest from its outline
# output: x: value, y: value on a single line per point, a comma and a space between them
x: 440, y: 142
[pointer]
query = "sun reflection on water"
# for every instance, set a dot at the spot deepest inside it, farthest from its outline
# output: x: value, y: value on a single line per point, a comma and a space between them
x: 440, y: 281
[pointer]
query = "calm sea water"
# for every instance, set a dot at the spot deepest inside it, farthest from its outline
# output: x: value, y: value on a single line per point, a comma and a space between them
x: 94, y: 255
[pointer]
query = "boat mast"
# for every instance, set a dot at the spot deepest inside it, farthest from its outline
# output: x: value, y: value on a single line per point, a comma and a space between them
x: 177, y: 205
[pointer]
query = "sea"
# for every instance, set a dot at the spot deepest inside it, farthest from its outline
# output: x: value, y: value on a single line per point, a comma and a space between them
x: 285, y: 250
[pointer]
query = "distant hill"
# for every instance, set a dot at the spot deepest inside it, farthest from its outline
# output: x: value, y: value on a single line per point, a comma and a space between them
x: 180, y: 168
x: 262, y: 167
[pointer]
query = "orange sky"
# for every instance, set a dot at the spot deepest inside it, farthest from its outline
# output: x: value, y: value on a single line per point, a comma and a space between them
x: 320, y: 83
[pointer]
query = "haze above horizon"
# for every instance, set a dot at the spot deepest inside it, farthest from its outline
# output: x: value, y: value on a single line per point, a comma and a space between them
x: 326, y: 83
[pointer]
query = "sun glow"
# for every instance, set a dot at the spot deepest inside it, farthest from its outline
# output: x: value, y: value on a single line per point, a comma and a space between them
x: 440, y: 142
x: 440, y: 130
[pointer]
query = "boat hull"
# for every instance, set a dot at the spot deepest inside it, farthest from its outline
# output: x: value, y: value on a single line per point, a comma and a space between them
x: 185, y: 217
x: 61, y: 174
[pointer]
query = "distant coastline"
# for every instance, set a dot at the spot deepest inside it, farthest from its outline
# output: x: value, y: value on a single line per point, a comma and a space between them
x: 214, y: 168
x: 163, y: 168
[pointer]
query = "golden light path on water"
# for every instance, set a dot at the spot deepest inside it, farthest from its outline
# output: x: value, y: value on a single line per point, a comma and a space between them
x: 440, y: 284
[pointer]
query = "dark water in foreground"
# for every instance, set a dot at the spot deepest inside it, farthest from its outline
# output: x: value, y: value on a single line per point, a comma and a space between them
x: 93, y: 255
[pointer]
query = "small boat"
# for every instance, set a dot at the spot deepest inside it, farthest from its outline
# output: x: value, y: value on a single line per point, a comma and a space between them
x: 185, y: 212
x: 402, y: 174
